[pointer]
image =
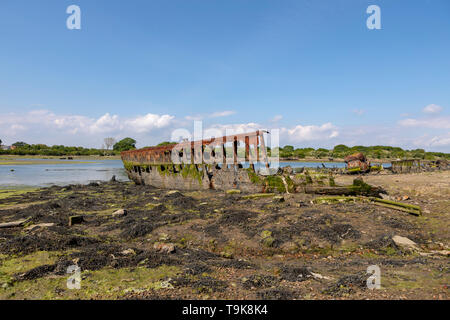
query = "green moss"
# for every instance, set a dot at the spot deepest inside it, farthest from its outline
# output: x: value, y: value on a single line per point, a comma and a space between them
x: 190, y: 170
x: 331, y: 182
x: 13, y: 265
x: 7, y: 193
x: 360, y: 187
x: 354, y: 170
x: 258, y: 195
x: 106, y: 283
x: 254, y: 178
x: 275, y: 183
x: 290, y: 184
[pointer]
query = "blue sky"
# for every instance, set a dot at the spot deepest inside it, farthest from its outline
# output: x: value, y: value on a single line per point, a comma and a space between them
x: 143, y: 68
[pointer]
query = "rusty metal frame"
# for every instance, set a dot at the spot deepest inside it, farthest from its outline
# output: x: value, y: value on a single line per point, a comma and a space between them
x: 163, y: 154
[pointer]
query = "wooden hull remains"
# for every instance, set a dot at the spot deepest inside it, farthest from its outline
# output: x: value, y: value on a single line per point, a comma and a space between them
x: 207, y: 164
x: 219, y: 164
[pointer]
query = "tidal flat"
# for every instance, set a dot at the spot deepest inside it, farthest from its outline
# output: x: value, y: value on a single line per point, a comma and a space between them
x: 140, y: 242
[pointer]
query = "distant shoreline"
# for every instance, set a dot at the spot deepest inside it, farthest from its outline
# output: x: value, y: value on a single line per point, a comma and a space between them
x: 117, y: 157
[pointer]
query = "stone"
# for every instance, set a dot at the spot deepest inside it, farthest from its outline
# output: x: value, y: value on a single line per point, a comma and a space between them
x: 163, y: 237
x: 128, y: 251
x: 120, y: 213
x: 278, y: 199
x: 268, y: 242
x: 266, y: 233
x: 164, y: 247
x: 404, y: 242
x: 75, y: 220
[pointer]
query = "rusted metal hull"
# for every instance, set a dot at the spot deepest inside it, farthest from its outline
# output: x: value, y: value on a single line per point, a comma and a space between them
x: 206, y: 164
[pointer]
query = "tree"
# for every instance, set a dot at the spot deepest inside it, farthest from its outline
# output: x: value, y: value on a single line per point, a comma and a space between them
x: 125, y: 144
x: 165, y: 143
x: 20, y: 144
x: 109, y: 142
x: 0, y: 142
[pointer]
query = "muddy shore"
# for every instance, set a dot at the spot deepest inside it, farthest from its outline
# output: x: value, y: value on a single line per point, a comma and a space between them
x: 214, y: 245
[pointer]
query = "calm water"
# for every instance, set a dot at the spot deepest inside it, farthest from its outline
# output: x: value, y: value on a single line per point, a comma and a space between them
x: 42, y: 175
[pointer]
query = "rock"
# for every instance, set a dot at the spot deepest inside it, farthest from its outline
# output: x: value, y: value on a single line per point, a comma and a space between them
x: 163, y: 237
x: 268, y: 242
x: 75, y: 220
x: 319, y: 276
x: 445, y: 253
x: 405, y: 242
x: 164, y: 247
x: 233, y: 191
x: 290, y: 247
x: 128, y: 251
x: 288, y: 170
x: 278, y: 199
x: 120, y: 213
x: 227, y: 254
x: 267, y: 239
x: 266, y: 233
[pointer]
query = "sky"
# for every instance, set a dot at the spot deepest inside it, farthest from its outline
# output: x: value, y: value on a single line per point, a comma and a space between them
x: 143, y: 68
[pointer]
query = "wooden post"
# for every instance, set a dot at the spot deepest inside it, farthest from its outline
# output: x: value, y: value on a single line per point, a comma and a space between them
x: 224, y: 151
x: 235, y: 151
x: 247, y: 149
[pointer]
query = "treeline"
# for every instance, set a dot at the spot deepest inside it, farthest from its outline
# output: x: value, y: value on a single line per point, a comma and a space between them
x: 23, y: 148
x: 286, y: 152
x: 56, y: 150
x: 373, y: 152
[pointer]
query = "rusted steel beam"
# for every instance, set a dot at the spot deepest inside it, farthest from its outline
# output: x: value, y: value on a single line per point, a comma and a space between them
x: 163, y: 154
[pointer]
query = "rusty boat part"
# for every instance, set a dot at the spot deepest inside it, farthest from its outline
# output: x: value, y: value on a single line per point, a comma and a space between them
x: 204, y: 164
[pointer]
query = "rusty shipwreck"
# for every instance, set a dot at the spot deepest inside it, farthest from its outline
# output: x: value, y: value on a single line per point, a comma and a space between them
x: 234, y: 162
x: 216, y: 163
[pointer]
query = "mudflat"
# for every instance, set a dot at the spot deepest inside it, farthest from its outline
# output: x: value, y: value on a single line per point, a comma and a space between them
x: 140, y: 242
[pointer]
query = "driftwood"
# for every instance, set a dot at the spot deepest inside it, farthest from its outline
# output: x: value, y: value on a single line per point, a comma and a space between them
x: 345, y: 191
x: 13, y: 224
x: 409, y: 208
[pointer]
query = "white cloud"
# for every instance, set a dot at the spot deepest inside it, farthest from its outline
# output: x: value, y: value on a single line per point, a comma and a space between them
x: 435, y: 123
x: 229, y: 129
x: 194, y: 118
x: 277, y: 118
x: 359, y: 112
x: 222, y: 114
x: 218, y: 114
x: 74, y: 127
x: 434, y: 141
x: 302, y: 133
x: 432, y: 108
x: 148, y: 122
